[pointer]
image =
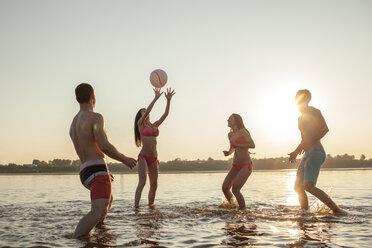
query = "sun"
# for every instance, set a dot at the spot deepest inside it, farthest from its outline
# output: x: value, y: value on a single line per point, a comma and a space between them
x: 279, y: 113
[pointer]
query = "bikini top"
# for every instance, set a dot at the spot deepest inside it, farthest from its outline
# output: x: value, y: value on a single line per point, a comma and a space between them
x: 239, y: 140
x: 148, y: 131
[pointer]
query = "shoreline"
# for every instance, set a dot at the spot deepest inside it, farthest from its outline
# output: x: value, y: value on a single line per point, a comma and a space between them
x: 179, y: 172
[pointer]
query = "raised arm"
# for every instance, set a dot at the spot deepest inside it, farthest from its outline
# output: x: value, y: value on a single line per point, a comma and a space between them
x: 149, y: 108
x: 170, y: 93
x: 105, y: 146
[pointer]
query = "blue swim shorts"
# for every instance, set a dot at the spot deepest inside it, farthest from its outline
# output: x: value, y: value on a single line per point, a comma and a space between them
x: 308, y: 170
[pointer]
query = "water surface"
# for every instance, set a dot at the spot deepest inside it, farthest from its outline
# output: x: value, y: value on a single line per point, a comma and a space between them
x: 40, y: 210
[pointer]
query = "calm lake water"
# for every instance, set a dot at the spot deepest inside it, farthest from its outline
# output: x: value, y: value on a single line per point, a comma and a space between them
x: 40, y: 210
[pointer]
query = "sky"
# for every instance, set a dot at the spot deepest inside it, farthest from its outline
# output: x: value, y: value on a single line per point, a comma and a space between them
x: 221, y: 57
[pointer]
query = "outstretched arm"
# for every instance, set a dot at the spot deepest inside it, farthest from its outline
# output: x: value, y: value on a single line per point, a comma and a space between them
x: 168, y: 95
x: 149, y: 108
x: 106, y: 147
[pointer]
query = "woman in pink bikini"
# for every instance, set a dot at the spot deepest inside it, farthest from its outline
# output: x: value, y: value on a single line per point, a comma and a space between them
x: 240, y: 141
x: 145, y: 134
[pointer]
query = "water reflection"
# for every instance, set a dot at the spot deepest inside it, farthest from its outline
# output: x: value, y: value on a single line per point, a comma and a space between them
x: 148, y: 225
x: 101, y: 237
x: 241, y: 234
x: 188, y: 217
x: 312, y: 234
x: 292, y: 198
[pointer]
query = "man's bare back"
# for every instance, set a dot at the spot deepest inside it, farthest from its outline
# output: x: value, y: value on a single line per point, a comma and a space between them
x: 82, y: 135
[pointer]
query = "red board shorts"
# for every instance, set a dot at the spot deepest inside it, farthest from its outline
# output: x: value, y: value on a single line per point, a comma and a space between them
x: 100, y: 187
x: 95, y: 176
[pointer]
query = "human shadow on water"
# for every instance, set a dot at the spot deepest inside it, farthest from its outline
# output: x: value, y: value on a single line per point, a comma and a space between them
x: 148, y: 225
x: 241, y: 229
x: 101, y: 237
x: 240, y: 234
x: 314, y: 234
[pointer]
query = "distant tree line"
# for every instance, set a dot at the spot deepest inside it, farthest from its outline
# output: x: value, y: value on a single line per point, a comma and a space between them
x: 178, y: 165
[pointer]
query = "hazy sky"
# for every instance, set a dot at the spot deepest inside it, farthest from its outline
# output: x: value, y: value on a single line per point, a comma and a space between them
x: 247, y: 57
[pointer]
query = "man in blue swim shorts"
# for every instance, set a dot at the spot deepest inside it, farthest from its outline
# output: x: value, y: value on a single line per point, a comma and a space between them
x: 312, y: 127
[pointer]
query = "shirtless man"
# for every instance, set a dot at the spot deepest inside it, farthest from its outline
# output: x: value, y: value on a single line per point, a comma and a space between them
x: 312, y: 127
x: 90, y: 141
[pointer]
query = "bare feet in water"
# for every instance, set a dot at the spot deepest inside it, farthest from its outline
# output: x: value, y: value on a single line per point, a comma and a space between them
x: 340, y: 212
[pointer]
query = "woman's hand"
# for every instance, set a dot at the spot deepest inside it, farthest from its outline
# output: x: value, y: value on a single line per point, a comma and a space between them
x: 226, y: 153
x: 169, y: 94
x: 158, y: 93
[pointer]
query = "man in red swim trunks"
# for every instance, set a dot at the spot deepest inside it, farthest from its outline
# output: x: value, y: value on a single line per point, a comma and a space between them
x: 90, y: 141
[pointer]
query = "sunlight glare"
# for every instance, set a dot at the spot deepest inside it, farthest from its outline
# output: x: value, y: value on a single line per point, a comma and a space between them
x: 292, y: 198
x: 293, y: 232
x: 279, y: 113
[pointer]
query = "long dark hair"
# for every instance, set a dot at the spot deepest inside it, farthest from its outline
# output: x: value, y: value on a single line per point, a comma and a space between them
x: 137, y: 134
x: 239, y: 121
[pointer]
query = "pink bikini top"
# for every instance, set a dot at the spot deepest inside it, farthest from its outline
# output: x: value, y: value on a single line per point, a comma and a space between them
x: 240, y: 140
x: 148, y: 131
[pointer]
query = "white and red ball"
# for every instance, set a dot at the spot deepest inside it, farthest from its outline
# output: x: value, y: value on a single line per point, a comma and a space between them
x: 158, y: 78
